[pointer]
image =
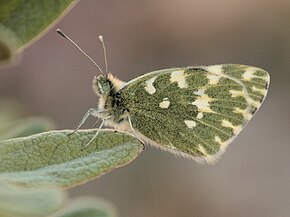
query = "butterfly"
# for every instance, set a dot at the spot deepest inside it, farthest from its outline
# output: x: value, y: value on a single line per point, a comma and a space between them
x: 194, y: 111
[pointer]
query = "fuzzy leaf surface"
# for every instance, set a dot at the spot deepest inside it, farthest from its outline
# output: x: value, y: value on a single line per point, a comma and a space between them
x: 56, y: 159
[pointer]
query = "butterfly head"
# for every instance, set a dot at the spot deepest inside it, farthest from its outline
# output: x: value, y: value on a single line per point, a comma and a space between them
x: 101, y: 85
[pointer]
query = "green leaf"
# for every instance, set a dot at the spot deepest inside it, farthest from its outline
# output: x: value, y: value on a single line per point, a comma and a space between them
x: 55, y: 159
x: 87, y: 207
x: 23, y: 21
x: 15, y: 202
x: 25, y: 127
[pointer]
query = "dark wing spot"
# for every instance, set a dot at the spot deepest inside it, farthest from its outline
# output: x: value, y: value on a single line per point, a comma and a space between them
x: 266, y: 86
x: 254, y: 111
x: 122, y: 119
x: 197, y: 68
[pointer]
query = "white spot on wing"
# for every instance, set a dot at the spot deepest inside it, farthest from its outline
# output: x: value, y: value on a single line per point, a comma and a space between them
x: 165, y: 103
x: 199, y: 115
x: 213, y: 78
x: 216, y: 69
x: 236, y: 129
x: 190, y: 124
x: 179, y: 77
x: 245, y: 114
x: 218, y: 140
x: 249, y: 73
x: 202, y: 103
x: 262, y: 91
x: 199, y: 92
x: 236, y: 93
x: 149, y: 85
x: 254, y: 102
x: 202, y: 150
x: 224, y: 144
x: 227, y: 123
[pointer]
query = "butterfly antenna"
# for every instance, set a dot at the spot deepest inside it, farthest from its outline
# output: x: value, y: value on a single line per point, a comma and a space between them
x: 101, y: 39
x: 78, y: 47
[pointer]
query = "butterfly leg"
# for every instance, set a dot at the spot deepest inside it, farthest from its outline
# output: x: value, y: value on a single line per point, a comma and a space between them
x: 97, y: 133
x: 95, y: 124
x: 90, y: 112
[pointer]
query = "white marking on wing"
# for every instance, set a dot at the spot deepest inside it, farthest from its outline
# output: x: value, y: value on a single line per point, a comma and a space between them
x: 236, y: 129
x: 249, y: 73
x: 190, y: 124
x: 216, y: 69
x: 254, y: 102
x: 262, y: 91
x: 236, y: 93
x: 179, y: 77
x: 149, y: 85
x: 202, y: 150
x: 218, y: 140
x: 199, y: 115
x: 213, y: 79
x: 165, y: 103
x: 199, y: 92
x: 202, y: 103
x: 245, y: 114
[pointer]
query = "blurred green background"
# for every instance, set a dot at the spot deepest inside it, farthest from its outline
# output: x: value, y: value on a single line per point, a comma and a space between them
x: 253, y: 177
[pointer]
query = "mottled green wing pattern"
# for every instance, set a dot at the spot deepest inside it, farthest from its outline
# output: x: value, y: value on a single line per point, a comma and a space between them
x: 255, y: 80
x: 195, y: 111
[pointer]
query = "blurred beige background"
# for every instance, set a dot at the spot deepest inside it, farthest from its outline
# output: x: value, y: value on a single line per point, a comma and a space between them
x: 253, y: 177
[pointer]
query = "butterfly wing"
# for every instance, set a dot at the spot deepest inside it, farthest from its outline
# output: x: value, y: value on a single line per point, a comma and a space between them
x: 195, y: 111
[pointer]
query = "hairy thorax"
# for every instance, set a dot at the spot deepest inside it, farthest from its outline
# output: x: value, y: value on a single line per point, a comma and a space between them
x: 112, y: 106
